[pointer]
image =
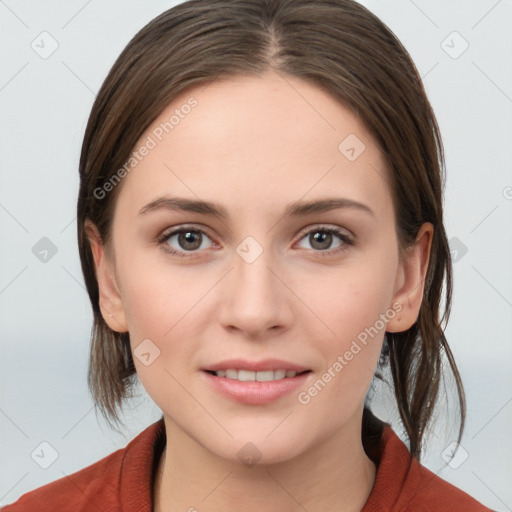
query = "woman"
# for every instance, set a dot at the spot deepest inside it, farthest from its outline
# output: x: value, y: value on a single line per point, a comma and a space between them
x: 260, y: 226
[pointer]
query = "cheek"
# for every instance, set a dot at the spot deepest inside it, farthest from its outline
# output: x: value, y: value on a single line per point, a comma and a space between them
x: 349, y: 298
x: 362, y: 305
x: 349, y: 357
x: 166, y: 305
x: 157, y: 296
x: 354, y: 305
x: 159, y: 307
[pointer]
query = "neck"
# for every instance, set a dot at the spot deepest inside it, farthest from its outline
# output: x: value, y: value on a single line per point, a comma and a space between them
x: 336, y: 474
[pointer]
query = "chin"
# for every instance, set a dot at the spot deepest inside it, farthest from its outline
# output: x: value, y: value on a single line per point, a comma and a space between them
x: 258, y: 449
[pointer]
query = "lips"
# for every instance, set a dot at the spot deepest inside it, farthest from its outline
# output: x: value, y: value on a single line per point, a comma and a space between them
x: 256, y: 366
x: 255, y: 382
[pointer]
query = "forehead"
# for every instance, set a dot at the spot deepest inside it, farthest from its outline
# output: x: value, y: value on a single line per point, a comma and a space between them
x: 268, y: 139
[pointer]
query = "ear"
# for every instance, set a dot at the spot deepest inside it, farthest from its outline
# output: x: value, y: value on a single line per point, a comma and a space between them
x: 110, y: 301
x: 410, y: 280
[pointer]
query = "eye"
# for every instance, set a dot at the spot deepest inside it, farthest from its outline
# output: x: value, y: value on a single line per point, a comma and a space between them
x: 184, y: 240
x: 321, y: 239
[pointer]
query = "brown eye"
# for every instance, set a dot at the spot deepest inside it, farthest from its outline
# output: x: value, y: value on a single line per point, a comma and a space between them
x: 321, y: 240
x: 183, y: 240
x: 190, y: 240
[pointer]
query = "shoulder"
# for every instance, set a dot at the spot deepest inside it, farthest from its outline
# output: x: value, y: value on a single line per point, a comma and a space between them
x: 102, y: 485
x: 403, y: 484
x: 96, y: 484
x: 429, y: 492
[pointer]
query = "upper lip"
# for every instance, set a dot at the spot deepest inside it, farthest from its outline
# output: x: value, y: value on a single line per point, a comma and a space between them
x: 264, y: 365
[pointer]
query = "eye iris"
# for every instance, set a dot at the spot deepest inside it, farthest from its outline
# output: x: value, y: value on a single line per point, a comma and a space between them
x: 321, y: 237
x: 189, y: 237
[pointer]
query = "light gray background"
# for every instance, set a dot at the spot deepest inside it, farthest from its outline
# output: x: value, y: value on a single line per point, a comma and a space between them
x: 45, y: 312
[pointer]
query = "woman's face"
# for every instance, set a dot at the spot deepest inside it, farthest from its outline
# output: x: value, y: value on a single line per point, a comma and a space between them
x: 269, y: 282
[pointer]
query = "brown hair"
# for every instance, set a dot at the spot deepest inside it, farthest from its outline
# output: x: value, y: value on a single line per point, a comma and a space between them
x: 337, y: 45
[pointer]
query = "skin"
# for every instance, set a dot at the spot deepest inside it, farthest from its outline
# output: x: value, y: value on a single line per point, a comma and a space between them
x: 254, y: 145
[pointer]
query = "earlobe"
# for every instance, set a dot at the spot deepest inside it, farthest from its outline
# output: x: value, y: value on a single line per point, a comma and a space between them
x: 410, y: 282
x: 110, y: 301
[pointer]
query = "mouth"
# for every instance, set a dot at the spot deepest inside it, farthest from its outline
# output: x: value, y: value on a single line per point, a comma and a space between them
x: 256, y: 376
x: 255, y: 383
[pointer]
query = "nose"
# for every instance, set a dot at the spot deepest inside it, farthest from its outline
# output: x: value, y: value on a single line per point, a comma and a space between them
x: 255, y: 299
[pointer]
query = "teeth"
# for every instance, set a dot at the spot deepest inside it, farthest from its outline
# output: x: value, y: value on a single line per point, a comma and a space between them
x: 263, y: 376
x: 246, y: 375
x: 279, y: 374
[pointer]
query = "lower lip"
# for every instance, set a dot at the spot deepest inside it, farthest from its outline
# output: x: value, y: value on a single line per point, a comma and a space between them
x: 254, y: 392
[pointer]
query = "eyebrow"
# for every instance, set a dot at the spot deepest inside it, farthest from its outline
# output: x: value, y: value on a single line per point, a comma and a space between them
x: 296, y: 209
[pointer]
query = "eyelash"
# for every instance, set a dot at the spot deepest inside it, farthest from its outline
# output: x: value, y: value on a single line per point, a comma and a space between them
x: 346, y: 239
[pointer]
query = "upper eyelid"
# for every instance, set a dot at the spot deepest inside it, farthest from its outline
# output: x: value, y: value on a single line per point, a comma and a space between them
x: 178, y: 229
x: 325, y: 227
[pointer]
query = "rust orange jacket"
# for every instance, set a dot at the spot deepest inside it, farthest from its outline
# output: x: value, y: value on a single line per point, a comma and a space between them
x: 123, y: 482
